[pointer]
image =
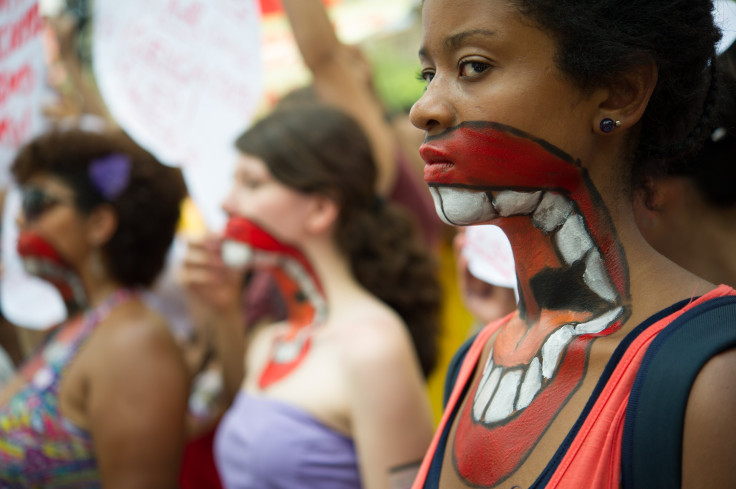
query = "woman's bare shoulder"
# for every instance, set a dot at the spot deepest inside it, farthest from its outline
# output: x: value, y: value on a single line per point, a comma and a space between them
x: 134, y: 334
x: 375, y: 338
x: 709, y: 437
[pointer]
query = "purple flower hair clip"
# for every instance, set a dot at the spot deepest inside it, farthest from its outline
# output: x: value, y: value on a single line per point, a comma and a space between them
x: 110, y: 175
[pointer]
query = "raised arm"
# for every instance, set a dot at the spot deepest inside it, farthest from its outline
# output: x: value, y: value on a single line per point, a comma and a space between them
x: 342, y: 78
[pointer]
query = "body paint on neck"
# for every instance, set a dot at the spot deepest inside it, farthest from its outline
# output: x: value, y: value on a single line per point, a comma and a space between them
x: 248, y: 244
x: 572, y: 276
x: 42, y: 260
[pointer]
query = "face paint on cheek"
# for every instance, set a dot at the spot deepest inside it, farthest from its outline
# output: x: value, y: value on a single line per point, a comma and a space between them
x: 573, y: 284
x: 245, y: 243
x: 42, y: 260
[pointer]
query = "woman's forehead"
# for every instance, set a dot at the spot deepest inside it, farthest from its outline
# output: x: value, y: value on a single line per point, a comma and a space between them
x: 50, y: 182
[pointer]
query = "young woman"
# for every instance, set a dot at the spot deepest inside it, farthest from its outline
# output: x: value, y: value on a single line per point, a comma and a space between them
x: 542, y: 117
x: 334, y: 396
x: 102, y: 402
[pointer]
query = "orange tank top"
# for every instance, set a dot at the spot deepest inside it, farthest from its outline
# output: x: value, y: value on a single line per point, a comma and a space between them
x: 590, y: 456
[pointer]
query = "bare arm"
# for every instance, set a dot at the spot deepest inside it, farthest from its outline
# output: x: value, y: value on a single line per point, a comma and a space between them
x: 340, y: 76
x: 137, y: 407
x: 709, y: 439
x: 391, y: 418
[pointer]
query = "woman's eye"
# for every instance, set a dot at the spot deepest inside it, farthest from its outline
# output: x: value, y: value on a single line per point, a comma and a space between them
x: 252, y: 184
x: 247, y: 182
x: 425, y: 76
x: 473, y: 68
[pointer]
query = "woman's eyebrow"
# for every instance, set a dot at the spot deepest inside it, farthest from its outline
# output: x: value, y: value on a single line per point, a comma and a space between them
x: 456, y: 40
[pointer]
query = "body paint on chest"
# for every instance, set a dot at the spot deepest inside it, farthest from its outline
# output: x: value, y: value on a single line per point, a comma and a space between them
x: 572, y: 275
x: 247, y: 243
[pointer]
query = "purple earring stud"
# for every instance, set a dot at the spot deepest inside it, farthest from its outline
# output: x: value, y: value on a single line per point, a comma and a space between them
x: 608, y: 125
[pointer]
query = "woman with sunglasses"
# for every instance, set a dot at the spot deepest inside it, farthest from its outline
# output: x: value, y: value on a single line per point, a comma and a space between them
x: 102, y: 402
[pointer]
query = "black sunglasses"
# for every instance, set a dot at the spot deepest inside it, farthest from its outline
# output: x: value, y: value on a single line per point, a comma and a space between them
x: 36, y: 201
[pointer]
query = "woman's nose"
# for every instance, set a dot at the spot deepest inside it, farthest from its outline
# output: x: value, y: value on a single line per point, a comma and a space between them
x: 229, y: 205
x: 20, y: 219
x: 433, y: 112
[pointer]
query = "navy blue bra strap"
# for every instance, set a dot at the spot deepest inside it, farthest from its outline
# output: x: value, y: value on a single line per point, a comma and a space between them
x: 653, y: 429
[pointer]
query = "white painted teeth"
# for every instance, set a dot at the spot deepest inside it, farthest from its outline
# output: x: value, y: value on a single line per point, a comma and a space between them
x: 287, y: 351
x: 600, y: 323
x: 236, y: 254
x: 596, y: 277
x: 573, y: 240
x: 552, y: 349
x: 302, y: 277
x: 462, y: 207
x: 552, y: 212
x: 531, y: 385
x: 502, y: 404
x: 509, y: 203
x: 487, y: 387
x: 505, y: 391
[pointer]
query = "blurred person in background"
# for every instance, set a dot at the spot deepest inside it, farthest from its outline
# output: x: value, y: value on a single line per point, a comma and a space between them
x: 342, y: 77
x: 334, y: 396
x: 74, y: 99
x: 485, y: 273
x: 102, y: 401
x: 689, y: 213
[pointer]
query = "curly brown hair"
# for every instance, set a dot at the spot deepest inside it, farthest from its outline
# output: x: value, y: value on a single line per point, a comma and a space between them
x: 597, y: 40
x: 147, y: 210
x: 314, y: 148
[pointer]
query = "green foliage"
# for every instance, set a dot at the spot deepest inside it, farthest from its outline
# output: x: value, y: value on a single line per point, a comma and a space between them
x: 396, y: 79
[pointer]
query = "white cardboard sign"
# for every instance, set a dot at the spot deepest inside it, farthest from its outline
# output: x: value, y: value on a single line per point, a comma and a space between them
x: 183, y: 78
x: 22, y: 75
x: 26, y: 301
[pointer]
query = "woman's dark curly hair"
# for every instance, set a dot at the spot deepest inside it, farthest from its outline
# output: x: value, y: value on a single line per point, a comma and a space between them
x: 600, y: 39
x: 317, y: 149
x: 147, y: 209
x: 713, y: 168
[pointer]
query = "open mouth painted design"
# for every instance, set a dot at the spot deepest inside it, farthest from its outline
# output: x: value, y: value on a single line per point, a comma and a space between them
x: 42, y: 260
x: 247, y: 244
x: 573, y: 284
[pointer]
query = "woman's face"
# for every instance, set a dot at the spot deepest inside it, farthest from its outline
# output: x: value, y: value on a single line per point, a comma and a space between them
x: 510, y: 140
x: 259, y: 197
x: 48, y: 210
x: 483, y: 61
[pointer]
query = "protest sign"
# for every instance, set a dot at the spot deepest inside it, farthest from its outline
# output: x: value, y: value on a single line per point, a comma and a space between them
x: 26, y: 301
x: 183, y: 78
x: 21, y: 78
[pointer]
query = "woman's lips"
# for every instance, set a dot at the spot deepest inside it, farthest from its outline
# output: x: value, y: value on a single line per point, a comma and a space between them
x: 438, y: 162
x: 432, y: 171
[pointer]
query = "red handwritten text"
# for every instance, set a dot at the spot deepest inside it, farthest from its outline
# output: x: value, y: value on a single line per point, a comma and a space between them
x: 16, y: 34
x: 21, y: 81
x: 14, y: 132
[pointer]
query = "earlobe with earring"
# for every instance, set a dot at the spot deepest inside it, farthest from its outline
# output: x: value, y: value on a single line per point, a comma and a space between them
x: 608, y: 125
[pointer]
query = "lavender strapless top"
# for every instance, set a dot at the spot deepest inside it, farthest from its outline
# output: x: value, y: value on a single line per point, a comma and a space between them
x: 264, y: 443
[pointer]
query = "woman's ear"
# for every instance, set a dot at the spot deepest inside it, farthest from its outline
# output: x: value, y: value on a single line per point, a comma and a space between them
x: 102, y: 223
x: 323, y: 214
x: 627, y: 98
